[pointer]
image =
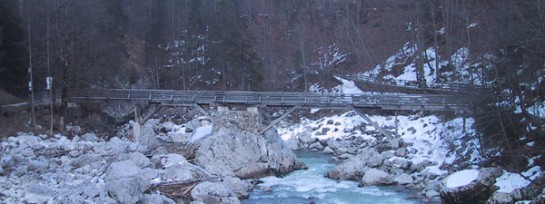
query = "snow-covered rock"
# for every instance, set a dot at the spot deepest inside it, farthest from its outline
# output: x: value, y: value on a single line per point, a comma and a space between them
x: 469, y: 186
x: 499, y: 197
x: 328, y: 150
x: 354, y: 167
x: 90, y: 137
x: 200, y: 133
x: 461, y: 178
x: 350, y: 169
x: 172, y: 159
x: 316, y: 146
x: 292, y: 143
x: 403, y: 179
x: 246, y: 154
x: 374, y: 176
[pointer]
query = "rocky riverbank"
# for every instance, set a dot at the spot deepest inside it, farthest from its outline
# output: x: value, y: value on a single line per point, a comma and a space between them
x: 141, y: 169
x: 195, y: 163
x: 420, y: 154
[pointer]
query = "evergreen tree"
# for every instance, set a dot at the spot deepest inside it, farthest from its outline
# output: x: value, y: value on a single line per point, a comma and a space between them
x: 233, y: 48
x: 154, y: 38
x: 195, y: 49
x: 115, y: 42
x: 13, y: 71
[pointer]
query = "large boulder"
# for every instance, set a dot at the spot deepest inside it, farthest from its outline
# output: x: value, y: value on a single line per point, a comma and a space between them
x: 499, y: 197
x: 155, y: 199
x: 238, y: 186
x: 469, y: 186
x: 128, y: 189
x: 338, y: 146
x: 353, y: 168
x: 374, y: 176
x: 350, y: 169
x: 144, y: 136
x: 540, y: 198
x: 403, y: 179
x: 122, y: 169
x: 208, y: 192
x: 246, y: 154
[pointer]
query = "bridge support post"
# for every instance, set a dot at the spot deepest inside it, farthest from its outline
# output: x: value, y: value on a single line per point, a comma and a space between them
x: 278, y: 120
x: 136, y: 114
x: 204, y: 112
x: 464, y: 123
x: 396, y: 125
x: 375, y: 125
x: 136, y: 124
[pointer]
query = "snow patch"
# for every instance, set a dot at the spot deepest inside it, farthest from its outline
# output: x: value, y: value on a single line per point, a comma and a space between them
x: 508, y: 182
x: 347, y: 86
x: 461, y: 178
x: 401, y: 67
x: 201, y: 132
x: 428, y: 135
x: 537, y: 110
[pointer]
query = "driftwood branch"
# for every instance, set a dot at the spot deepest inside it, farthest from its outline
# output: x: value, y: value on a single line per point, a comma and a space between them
x: 185, y: 182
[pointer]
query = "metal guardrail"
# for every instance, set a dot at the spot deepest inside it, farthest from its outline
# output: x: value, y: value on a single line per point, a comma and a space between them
x: 398, y: 85
x: 386, y: 101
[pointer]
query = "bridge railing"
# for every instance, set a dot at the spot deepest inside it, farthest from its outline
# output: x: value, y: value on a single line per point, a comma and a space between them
x: 384, y: 100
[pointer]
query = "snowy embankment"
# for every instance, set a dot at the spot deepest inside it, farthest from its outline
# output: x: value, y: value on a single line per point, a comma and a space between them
x: 422, y: 152
x: 426, y: 150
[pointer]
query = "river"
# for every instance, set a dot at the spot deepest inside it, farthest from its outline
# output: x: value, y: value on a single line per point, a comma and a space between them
x: 305, y: 186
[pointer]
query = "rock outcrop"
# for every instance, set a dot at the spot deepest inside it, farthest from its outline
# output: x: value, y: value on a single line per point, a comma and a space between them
x: 374, y: 176
x: 208, y: 192
x: 247, y: 155
x: 469, y: 186
x: 354, y: 167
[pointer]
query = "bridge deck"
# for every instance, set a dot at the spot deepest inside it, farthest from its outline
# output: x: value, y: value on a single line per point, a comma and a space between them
x: 309, y: 100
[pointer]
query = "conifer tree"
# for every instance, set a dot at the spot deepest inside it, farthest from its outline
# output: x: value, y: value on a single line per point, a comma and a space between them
x: 234, y: 50
x: 12, y: 52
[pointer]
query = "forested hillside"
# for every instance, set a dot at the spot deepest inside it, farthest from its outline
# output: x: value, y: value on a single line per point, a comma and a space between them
x: 253, y: 45
x: 285, y: 45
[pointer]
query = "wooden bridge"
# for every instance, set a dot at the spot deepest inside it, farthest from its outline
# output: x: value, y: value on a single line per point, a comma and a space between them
x: 384, y: 101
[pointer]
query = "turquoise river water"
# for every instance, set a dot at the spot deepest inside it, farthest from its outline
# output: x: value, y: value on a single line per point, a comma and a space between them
x: 310, y: 186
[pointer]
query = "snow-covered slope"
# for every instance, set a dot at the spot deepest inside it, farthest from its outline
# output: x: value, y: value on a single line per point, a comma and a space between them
x: 431, y: 137
x: 401, y: 67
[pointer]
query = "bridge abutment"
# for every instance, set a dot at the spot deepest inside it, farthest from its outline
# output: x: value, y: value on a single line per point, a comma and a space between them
x: 249, y: 120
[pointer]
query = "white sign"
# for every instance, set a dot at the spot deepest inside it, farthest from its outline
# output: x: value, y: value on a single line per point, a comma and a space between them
x: 49, y: 82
